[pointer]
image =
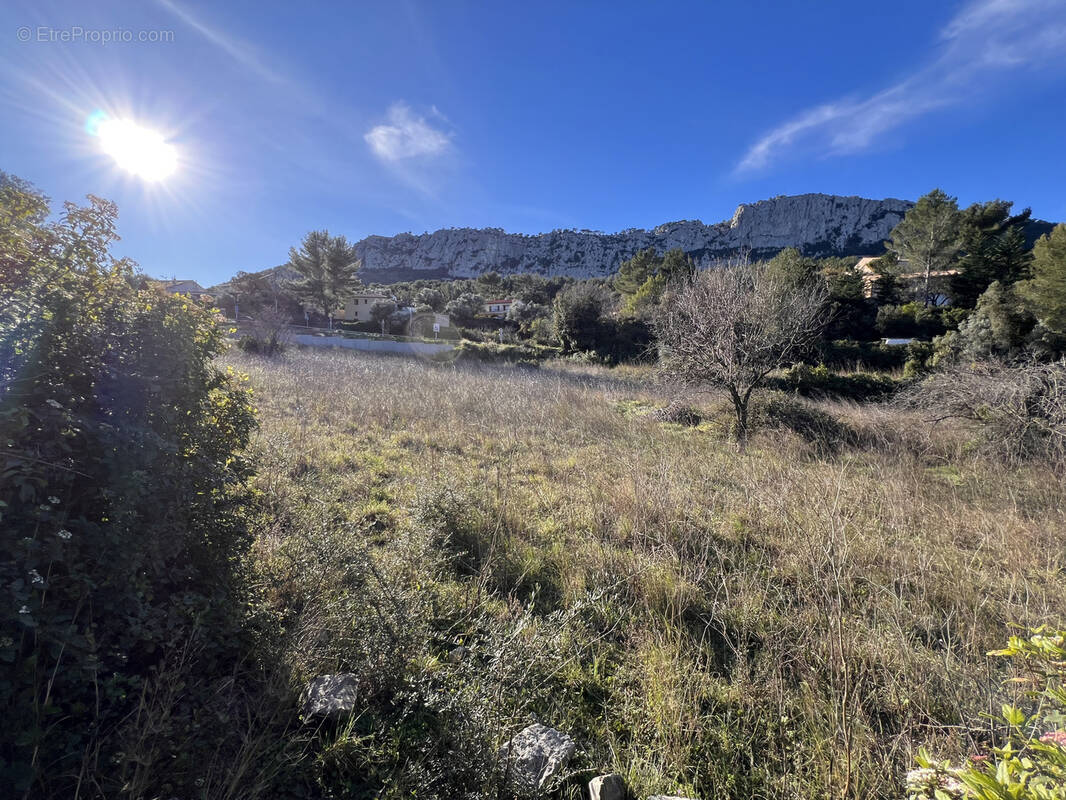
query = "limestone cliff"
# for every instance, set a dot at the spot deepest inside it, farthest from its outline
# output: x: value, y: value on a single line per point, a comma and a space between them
x: 817, y: 224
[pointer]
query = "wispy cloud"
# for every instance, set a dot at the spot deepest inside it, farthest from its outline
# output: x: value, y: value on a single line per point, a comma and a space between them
x: 985, y: 40
x: 406, y: 135
x: 240, y: 51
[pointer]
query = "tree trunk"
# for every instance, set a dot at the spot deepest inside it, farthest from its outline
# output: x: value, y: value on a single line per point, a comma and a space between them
x: 740, y: 405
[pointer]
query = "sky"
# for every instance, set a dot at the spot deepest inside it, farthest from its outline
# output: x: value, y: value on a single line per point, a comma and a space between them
x: 384, y: 117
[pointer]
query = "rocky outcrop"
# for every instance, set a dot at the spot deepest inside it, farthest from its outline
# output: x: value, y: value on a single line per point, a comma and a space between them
x: 817, y: 224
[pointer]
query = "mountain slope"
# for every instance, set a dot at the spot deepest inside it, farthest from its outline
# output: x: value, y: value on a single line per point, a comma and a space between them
x: 817, y: 224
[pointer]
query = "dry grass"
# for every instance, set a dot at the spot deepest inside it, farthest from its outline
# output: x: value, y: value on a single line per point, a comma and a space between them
x: 789, y: 621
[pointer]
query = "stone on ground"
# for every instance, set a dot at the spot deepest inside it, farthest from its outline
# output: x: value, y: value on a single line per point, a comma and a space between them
x: 330, y: 695
x: 607, y: 787
x: 534, y: 756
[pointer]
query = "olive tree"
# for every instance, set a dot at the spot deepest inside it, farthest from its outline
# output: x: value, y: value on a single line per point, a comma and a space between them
x: 731, y: 325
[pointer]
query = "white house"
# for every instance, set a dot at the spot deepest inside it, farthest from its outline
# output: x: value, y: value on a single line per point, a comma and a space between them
x: 497, y: 308
x: 357, y: 309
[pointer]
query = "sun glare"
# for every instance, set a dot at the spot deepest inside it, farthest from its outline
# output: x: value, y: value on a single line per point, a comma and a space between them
x: 136, y: 149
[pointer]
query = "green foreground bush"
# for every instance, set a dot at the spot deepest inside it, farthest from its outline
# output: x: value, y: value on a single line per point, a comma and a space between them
x: 122, y: 522
x: 1030, y: 761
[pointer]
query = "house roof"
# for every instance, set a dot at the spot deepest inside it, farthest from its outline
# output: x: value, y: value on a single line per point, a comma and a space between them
x: 495, y: 302
x: 183, y: 287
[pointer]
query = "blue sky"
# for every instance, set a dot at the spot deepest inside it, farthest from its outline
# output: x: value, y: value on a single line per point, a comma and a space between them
x: 411, y: 116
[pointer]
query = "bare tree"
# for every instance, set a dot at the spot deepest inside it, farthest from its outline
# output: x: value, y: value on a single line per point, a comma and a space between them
x: 269, y: 330
x: 1021, y: 409
x: 731, y: 325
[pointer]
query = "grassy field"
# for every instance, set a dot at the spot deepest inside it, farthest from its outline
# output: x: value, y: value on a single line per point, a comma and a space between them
x: 487, y: 545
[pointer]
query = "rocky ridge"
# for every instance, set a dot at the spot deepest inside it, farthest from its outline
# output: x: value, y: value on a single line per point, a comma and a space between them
x: 817, y: 224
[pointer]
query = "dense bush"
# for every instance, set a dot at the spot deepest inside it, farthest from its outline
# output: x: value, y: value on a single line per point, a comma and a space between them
x: 1002, y: 327
x: 121, y: 511
x: 584, y: 324
x: 820, y: 381
x: 917, y: 320
x: 871, y: 355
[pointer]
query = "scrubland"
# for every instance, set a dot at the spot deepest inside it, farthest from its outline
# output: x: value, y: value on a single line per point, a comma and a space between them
x: 484, y: 546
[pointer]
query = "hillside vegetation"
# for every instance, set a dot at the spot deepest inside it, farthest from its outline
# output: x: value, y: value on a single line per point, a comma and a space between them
x: 488, y: 545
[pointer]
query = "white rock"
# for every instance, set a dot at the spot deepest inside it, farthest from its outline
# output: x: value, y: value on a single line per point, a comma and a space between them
x: 607, y: 787
x: 818, y: 224
x: 330, y: 695
x: 533, y: 756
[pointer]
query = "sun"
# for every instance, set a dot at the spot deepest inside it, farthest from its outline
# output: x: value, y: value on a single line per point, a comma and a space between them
x: 136, y: 149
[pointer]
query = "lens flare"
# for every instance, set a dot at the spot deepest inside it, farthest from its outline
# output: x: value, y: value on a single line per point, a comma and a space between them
x: 134, y: 148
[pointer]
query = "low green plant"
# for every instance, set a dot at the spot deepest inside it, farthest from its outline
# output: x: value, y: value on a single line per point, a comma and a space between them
x: 847, y: 353
x: 1030, y: 764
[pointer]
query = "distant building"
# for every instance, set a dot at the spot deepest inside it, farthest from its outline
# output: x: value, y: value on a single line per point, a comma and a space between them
x: 191, y: 288
x: 357, y: 309
x: 498, y: 308
x: 913, y: 282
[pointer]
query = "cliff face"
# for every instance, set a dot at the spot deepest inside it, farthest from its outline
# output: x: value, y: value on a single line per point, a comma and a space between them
x: 817, y: 224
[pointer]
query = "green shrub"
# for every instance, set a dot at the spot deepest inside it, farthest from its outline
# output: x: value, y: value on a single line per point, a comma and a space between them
x: 821, y: 381
x: 1030, y: 764
x: 872, y: 355
x: 918, y: 320
x: 920, y: 356
x: 121, y: 511
x: 455, y: 524
x: 249, y: 344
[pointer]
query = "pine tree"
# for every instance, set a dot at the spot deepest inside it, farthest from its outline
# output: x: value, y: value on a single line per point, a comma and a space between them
x: 1046, y: 291
x: 993, y: 246
x: 928, y: 236
x: 329, y: 270
x: 635, y: 271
